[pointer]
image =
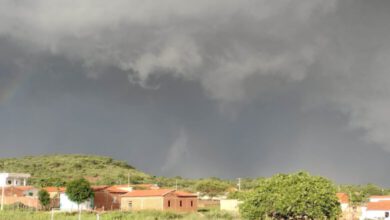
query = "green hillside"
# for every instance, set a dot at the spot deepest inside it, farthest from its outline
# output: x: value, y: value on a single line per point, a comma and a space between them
x: 58, y: 169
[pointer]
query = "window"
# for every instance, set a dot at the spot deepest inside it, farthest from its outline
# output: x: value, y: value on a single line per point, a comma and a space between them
x: 169, y: 203
x: 9, y: 182
x: 130, y: 204
x: 181, y: 203
x: 192, y: 203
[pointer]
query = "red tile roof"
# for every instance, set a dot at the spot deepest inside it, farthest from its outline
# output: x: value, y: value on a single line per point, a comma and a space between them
x: 114, y: 189
x: 54, y: 189
x: 147, y: 193
x: 378, y: 206
x: 99, y: 188
x: 23, y: 188
x: 146, y: 186
x: 343, y: 197
x: 184, y: 194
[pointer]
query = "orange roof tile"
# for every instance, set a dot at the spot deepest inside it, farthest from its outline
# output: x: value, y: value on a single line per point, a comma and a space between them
x: 378, y: 206
x: 184, y: 194
x: 343, y: 197
x: 54, y: 189
x: 23, y: 188
x: 114, y: 189
x: 99, y: 188
x: 146, y: 186
x: 147, y: 193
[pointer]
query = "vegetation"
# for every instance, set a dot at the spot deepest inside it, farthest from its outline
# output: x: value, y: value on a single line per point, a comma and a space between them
x: 79, y: 191
x: 44, y: 198
x: 359, y: 194
x: 140, y: 215
x: 56, y: 170
x: 292, y: 196
x: 212, y: 187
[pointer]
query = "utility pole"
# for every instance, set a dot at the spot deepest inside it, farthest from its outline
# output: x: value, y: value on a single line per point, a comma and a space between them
x: 176, y: 184
x: 239, y: 184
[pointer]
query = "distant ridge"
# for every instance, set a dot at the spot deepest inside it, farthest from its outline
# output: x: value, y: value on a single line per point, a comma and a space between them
x: 57, y: 169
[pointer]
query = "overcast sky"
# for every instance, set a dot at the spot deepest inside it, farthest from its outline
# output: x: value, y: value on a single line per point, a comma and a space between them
x: 201, y: 88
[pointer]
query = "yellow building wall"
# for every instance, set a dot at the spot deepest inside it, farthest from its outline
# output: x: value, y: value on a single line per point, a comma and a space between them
x: 231, y: 205
x: 142, y: 203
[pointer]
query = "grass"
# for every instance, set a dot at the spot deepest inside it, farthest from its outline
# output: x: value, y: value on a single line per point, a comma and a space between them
x: 56, y: 169
x: 140, y: 215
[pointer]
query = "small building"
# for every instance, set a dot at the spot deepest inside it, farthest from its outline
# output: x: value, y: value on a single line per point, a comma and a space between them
x: 69, y: 206
x: 230, y: 205
x: 379, y: 198
x: 107, y: 198
x: 54, y: 191
x: 343, y: 200
x: 376, y: 210
x: 14, y: 179
x: 159, y: 199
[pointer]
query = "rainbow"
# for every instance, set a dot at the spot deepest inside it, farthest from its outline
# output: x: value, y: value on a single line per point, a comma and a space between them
x: 13, y: 86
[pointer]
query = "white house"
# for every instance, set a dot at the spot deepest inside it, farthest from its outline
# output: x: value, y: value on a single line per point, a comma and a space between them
x: 376, y: 210
x: 230, y: 205
x: 14, y: 179
x: 67, y: 205
x: 379, y: 198
x: 343, y: 200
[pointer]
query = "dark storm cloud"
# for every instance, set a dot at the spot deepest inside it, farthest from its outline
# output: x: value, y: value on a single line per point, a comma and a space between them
x: 198, y: 88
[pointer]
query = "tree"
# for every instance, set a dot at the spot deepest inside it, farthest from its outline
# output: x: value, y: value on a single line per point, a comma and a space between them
x: 359, y: 194
x: 79, y: 191
x: 44, y: 198
x: 294, y: 196
x: 211, y: 187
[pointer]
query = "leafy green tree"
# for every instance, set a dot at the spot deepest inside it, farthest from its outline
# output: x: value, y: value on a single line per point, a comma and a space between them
x: 293, y: 196
x: 211, y: 187
x: 44, y: 198
x: 79, y: 191
x: 359, y: 194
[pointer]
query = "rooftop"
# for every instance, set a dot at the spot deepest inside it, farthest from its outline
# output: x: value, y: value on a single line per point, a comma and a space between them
x: 378, y: 206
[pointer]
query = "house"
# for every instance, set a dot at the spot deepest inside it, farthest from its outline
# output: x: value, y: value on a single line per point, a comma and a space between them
x: 379, y: 198
x: 230, y: 205
x: 26, y: 195
x: 14, y: 179
x: 159, y: 199
x: 21, y: 191
x: 130, y: 187
x: 107, y: 197
x: 69, y: 206
x: 343, y: 200
x: 376, y: 210
x: 54, y: 191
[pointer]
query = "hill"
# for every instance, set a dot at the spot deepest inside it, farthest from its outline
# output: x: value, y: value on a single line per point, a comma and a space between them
x: 58, y: 169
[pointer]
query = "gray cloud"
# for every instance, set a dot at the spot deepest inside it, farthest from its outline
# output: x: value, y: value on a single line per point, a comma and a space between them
x: 239, y: 77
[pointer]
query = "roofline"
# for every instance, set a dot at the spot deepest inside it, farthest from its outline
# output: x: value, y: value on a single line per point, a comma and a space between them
x: 149, y: 195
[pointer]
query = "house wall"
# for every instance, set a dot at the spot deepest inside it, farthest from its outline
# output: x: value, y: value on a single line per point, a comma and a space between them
x: 104, y: 200
x: 172, y: 202
x: 344, y: 206
x: 7, y: 179
x: 208, y: 203
x: 374, y: 214
x: 379, y: 199
x: 231, y: 205
x: 27, y: 201
x: 67, y: 205
x: 142, y: 203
